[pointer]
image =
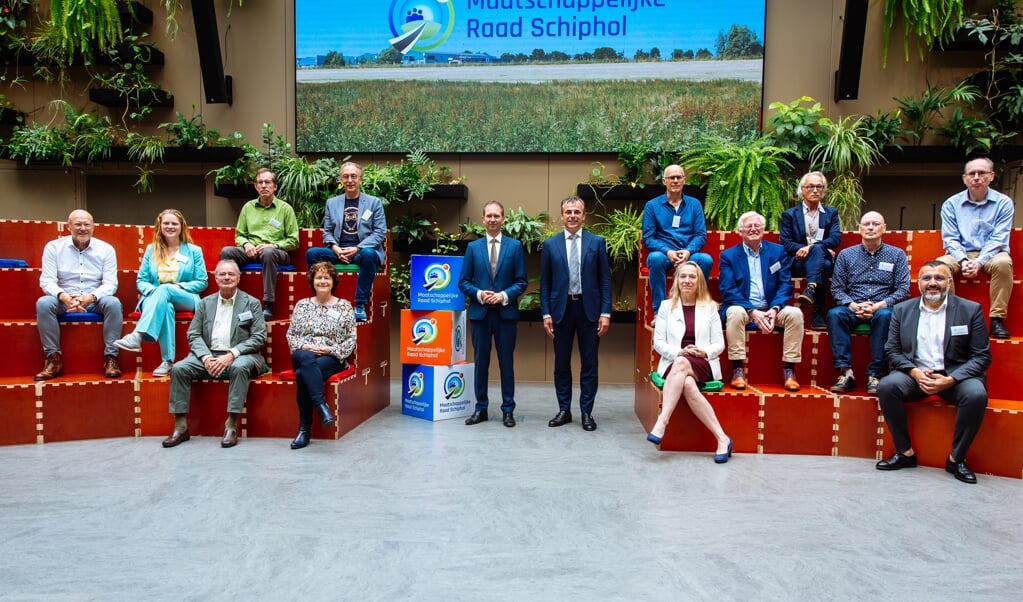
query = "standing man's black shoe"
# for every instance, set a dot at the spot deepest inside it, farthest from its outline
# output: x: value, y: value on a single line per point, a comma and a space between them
x: 960, y: 471
x: 477, y: 417
x: 998, y: 329
x: 563, y: 417
x: 589, y: 424
x: 509, y: 419
x: 897, y: 461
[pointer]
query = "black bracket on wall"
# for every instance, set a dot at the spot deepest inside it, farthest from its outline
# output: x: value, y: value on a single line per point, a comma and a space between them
x: 854, y: 28
x: 218, y: 87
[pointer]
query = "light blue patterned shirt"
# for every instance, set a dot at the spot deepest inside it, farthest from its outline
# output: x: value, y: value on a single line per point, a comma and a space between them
x: 983, y: 227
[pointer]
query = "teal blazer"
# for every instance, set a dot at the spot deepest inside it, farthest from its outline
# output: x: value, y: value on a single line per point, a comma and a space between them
x: 191, y: 273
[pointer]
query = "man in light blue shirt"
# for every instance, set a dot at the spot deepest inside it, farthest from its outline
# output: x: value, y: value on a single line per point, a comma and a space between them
x: 975, y: 226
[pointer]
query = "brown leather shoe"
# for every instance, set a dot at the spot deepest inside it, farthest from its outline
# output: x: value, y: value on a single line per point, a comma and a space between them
x: 53, y: 368
x: 177, y: 438
x: 230, y: 438
x: 738, y: 379
x: 791, y: 384
x: 111, y: 369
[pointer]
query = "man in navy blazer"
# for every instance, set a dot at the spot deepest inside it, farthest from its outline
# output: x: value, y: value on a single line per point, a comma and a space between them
x: 575, y: 300
x: 493, y: 278
x: 937, y: 345
x: 811, y: 234
x: 755, y: 288
x: 354, y: 230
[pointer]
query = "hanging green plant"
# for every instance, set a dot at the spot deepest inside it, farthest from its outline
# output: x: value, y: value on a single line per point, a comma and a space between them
x: 932, y: 22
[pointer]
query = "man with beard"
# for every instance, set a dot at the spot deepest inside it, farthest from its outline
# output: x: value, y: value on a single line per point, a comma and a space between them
x: 937, y: 345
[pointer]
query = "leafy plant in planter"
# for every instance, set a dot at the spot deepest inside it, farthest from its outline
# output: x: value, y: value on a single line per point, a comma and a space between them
x: 1000, y: 31
x: 76, y: 28
x: 527, y: 229
x: 884, y: 128
x: 400, y: 276
x: 972, y: 134
x: 846, y: 151
x: 749, y: 175
x: 795, y: 126
x: 127, y: 76
x: 922, y: 113
x: 193, y: 133
x: 411, y: 228
x: 931, y: 22
x: 401, y: 182
x: 622, y: 230
x: 82, y: 136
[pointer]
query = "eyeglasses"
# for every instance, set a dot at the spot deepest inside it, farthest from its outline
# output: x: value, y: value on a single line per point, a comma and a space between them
x: 349, y: 176
x: 673, y: 178
x: 813, y: 186
x: 752, y: 227
x: 978, y: 174
x: 261, y: 182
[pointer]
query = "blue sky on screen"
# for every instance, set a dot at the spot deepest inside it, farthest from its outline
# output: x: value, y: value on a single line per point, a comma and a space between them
x: 369, y: 26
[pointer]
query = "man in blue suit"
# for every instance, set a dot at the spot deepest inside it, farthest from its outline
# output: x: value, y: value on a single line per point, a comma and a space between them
x: 756, y: 287
x: 811, y: 235
x: 354, y: 230
x: 493, y: 278
x: 575, y: 300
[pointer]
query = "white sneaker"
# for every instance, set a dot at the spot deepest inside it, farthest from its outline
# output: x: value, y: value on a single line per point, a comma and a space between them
x: 129, y: 342
x: 163, y: 369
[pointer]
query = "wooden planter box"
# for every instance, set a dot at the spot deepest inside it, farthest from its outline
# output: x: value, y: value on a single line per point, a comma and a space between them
x: 588, y: 192
x: 235, y: 191
x: 458, y: 192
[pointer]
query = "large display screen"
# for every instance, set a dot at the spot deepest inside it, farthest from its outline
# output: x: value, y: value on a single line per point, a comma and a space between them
x: 534, y: 76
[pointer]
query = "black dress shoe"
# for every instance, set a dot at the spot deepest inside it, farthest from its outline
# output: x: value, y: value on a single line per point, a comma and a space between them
x: 961, y: 471
x: 302, y: 438
x: 563, y: 417
x: 897, y: 461
x: 998, y: 329
x: 589, y: 424
x: 508, y: 419
x: 477, y: 417
x: 326, y: 416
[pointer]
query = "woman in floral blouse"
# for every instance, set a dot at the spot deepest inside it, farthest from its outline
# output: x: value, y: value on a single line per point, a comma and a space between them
x: 322, y: 338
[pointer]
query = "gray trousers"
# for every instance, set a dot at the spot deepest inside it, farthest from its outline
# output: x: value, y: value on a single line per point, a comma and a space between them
x: 48, y: 309
x: 270, y: 258
x: 240, y: 372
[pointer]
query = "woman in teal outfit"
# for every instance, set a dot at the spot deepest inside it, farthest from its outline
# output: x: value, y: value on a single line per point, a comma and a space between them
x: 172, y: 275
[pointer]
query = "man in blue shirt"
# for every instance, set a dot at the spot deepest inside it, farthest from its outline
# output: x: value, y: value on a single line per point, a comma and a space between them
x: 975, y: 226
x: 674, y: 231
x: 869, y: 279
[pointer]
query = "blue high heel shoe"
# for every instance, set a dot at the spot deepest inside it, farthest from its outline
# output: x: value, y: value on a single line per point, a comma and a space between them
x: 652, y: 438
x: 722, y: 458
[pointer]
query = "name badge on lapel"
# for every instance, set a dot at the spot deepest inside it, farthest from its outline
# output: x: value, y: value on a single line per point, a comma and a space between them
x: 273, y: 222
x: 885, y: 266
x: 775, y: 267
x: 958, y: 331
x: 366, y: 215
x: 245, y: 316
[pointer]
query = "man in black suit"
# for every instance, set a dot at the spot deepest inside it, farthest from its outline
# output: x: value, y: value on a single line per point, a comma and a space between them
x: 937, y: 345
x: 493, y: 278
x: 575, y: 300
x: 811, y: 235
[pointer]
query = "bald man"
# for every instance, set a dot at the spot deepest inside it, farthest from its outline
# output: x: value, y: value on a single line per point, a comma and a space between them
x: 79, y: 275
x: 869, y: 279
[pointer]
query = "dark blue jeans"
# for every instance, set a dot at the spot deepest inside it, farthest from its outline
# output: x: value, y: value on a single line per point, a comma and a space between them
x: 366, y: 259
x: 311, y: 372
x: 658, y: 264
x: 841, y: 321
x: 817, y: 268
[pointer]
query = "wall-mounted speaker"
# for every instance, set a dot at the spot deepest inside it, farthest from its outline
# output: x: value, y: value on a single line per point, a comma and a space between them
x: 854, y: 28
x: 216, y: 85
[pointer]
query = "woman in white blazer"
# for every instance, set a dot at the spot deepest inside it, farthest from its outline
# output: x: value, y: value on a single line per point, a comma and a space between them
x: 687, y: 335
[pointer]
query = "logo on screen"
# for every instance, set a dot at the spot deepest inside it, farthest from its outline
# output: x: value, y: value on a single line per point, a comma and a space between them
x: 420, y: 24
x: 416, y: 384
x: 437, y: 277
x: 424, y: 331
x: 458, y: 337
x: 454, y: 385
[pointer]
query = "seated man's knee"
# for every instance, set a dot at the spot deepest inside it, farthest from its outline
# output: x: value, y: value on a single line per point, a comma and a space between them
x: 657, y: 261
x: 1000, y: 263
x: 46, y: 303
x: 736, y: 314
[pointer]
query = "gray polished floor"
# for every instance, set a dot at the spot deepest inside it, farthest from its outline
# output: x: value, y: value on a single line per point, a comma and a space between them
x: 402, y: 509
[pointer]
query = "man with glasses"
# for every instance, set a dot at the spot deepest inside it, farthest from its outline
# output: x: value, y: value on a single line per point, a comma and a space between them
x: 354, y: 230
x: 937, y: 345
x: 756, y: 288
x: 869, y: 279
x: 267, y: 229
x: 674, y: 231
x: 225, y: 337
x: 811, y: 235
x: 975, y: 226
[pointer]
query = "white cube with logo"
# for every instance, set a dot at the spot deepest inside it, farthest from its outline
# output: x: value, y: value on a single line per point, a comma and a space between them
x: 438, y: 392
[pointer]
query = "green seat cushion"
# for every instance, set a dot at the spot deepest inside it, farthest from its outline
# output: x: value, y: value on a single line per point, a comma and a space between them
x: 709, y: 386
x: 861, y: 329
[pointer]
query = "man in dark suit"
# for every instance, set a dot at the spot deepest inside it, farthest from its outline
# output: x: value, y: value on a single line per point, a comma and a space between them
x: 811, y: 234
x: 575, y: 300
x: 493, y: 278
x: 354, y: 230
x: 755, y: 288
x: 937, y: 345
x: 225, y: 335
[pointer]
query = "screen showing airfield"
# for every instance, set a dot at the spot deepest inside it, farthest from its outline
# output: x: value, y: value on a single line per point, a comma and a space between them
x: 533, y: 76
